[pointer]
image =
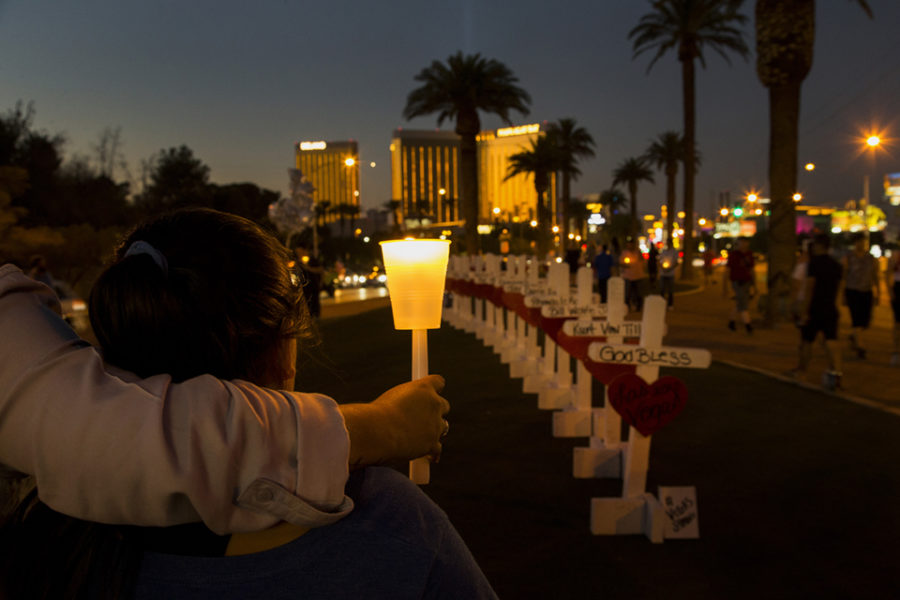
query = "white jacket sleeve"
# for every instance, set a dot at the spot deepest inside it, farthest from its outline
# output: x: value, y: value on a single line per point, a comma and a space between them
x: 105, y: 446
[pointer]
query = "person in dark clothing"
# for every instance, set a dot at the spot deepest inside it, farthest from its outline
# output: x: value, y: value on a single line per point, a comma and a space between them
x: 743, y: 282
x: 820, y: 311
x: 573, y: 259
x: 603, y: 269
x: 652, y: 265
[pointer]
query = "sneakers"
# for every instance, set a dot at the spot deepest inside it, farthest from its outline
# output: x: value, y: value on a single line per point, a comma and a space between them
x: 732, y: 326
x: 831, y: 381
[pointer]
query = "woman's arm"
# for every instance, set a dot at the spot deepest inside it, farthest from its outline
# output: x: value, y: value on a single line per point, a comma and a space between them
x: 108, y: 447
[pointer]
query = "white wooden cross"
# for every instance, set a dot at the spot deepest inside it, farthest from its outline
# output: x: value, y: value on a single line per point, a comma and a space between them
x: 557, y: 391
x: 575, y: 420
x: 637, y: 511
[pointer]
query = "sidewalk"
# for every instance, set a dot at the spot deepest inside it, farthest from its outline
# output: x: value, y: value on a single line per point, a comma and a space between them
x: 700, y: 319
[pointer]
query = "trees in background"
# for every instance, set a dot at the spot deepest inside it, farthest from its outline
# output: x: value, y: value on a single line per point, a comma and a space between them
x: 458, y: 89
x: 631, y: 172
x: 686, y: 27
x: 539, y: 161
x: 785, y: 36
x: 572, y: 142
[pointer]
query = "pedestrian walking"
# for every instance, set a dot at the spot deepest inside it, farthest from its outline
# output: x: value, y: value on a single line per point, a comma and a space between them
x: 743, y: 282
x: 861, y: 288
x: 652, y: 265
x: 668, y: 262
x: 603, y: 265
x: 820, y: 311
x: 634, y: 271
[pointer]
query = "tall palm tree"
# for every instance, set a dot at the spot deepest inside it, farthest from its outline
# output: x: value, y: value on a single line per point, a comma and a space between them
x: 785, y: 34
x: 540, y: 161
x: 630, y: 172
x: 323, y: 207
x: 393, y: 207
x: 686, y: 26
x: 665, y: 152
x: 458, y: 89
x: 573, y: 143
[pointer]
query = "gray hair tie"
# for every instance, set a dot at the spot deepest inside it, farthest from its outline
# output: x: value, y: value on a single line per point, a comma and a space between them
x: 142, y: 247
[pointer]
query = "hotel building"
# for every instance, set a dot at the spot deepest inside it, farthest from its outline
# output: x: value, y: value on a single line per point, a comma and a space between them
x: 516, y: 197
x: 425, y: 176
x: 333, y: 169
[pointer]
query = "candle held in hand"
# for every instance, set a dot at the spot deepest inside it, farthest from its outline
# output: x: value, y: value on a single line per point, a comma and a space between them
x: 416, y: 270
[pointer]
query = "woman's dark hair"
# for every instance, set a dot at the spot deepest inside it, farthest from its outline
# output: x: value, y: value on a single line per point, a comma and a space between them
x: 221, y: 303
x: 218, y: 298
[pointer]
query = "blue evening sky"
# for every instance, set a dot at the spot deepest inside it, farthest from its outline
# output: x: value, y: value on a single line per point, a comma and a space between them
x: 239, y: 82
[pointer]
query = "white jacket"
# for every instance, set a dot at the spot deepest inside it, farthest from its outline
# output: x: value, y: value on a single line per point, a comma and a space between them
x: 106, y: 446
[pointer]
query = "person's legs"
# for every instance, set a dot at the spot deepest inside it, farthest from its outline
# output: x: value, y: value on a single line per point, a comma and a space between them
x: 741, y: 305
x: 832, y: 352
x: 603, y: 285
x: 860, y: 305
x: 667, y: 289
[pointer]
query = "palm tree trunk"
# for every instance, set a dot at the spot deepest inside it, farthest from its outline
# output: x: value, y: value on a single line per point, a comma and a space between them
x: 784, y: 115
x: 670, y: 202
x: 468, y: 187
x: 632, y: 191
x: 687, y: 81
x: 564, y: 226
x: 543, y: 218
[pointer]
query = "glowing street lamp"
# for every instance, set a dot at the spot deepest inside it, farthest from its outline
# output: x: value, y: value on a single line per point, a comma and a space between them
x: 873, y: 140
x: 723, y: 211
x: 416, y: 270
x: 810, y: 166
x: 797, y: 197
x: 751, y: 197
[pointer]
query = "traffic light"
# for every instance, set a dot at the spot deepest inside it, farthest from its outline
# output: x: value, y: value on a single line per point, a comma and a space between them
x: 738, y: 211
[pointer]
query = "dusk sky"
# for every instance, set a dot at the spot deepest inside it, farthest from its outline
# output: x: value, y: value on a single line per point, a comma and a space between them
x: 240, y: 82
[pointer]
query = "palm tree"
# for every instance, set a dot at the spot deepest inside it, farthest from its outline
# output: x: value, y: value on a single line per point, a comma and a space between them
x: 322, y: 210
x: 393, y: 207
x: 618, y: 224
x: 613, y: 200
x: 580, y: 213
x: 630, y: 172
x: 539, y: 161
x: 785, y: 33
x: 665, y: 152
x: 573, y: 142
x: 458, y: 90
x: 686, y: 26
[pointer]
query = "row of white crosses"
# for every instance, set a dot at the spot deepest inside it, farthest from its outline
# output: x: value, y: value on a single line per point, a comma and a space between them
x: 549, y: 374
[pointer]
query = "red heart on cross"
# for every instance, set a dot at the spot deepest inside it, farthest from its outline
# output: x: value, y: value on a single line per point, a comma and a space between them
x: 647, y: 408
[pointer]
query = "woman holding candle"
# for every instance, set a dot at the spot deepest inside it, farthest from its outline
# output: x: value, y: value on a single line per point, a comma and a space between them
x: 203, y: 292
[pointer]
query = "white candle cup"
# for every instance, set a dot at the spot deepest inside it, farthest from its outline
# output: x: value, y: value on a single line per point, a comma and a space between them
x: 416, y: 270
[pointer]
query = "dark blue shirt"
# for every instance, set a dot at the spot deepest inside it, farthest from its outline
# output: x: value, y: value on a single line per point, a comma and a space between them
x: 603, y: 263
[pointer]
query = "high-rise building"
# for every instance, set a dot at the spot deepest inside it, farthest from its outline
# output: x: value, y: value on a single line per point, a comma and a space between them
x: 424, y: 174
x: 515, y: 197
x: 333, y: 169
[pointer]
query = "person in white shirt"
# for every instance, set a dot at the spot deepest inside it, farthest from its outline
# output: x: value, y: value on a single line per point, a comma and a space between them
x: 203, y: 449
x: 197, y: 292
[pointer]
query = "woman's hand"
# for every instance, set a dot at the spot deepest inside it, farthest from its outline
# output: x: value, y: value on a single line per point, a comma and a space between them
x: 404, y: 423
